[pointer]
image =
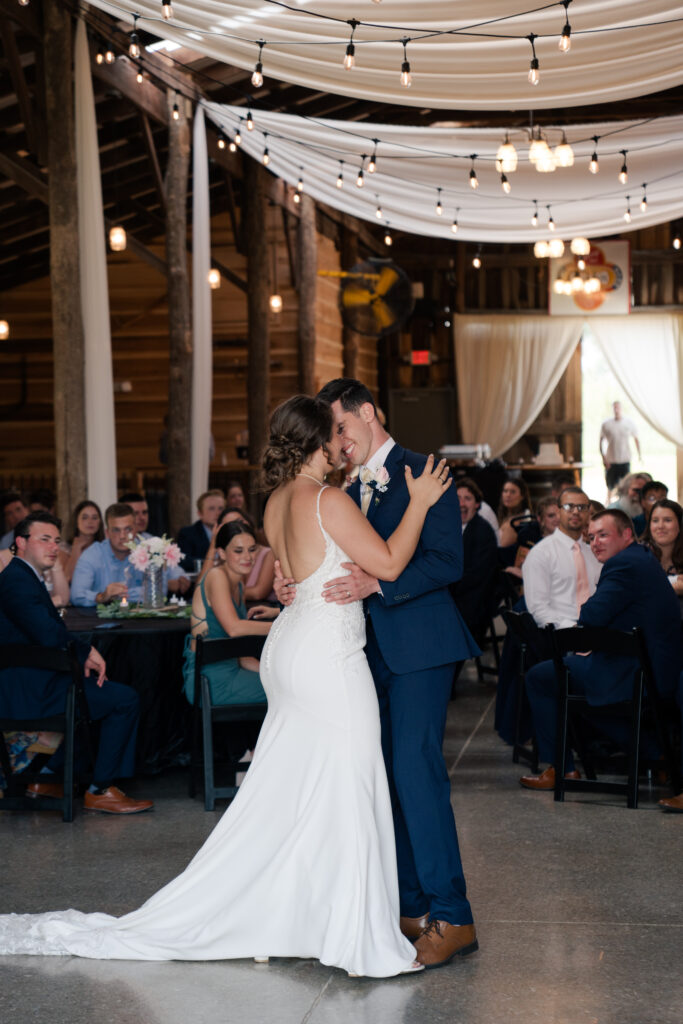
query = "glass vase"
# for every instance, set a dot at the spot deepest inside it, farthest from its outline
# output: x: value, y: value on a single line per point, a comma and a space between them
x: 153, y: 588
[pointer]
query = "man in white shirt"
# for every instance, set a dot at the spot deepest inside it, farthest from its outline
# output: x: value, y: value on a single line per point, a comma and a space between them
x: 615, y: 449
x: 561, y: 571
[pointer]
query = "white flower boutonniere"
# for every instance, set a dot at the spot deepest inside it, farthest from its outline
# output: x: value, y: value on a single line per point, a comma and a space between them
x: 379, y: 482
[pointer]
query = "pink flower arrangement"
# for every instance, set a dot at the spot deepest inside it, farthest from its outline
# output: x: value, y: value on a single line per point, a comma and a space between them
x: 154, y: 553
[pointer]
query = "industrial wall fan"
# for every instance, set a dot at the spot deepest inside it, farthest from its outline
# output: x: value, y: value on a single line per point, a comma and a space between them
x: 375, y: 297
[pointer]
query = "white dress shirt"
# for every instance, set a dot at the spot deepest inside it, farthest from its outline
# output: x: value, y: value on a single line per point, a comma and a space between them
x: 617, y: 434
x: 376, y: 461
x: 549, y: 575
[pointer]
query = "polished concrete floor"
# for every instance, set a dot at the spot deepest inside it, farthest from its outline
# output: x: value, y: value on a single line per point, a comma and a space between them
x: 578, y: 906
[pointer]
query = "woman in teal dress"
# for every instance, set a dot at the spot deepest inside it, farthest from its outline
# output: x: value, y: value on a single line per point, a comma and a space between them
x: 218, y: 610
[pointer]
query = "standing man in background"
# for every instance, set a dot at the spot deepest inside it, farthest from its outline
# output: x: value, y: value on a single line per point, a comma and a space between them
x: 615, y: 448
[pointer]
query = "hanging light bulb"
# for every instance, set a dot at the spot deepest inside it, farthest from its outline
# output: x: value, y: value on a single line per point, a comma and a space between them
x: 214, y: 278
x: 139, y: 77
x: 534, y: 75
x: 627, y: 211
x: 506, y: 158
x: 581, y: 263
x: 99, y: 56
x: 350, y: 55
x: 117, y: 239
x: 378, y: 211
x: 564, y: 154
x: 643, y: 201
x: 24, y: 3
x: 265, y: 157
x: 275, y: 303
x: 176, y: 109
x: 476, y: 262
x: 4, y: 326
x: 474, y: 181
x: 372, y: 166
x: 544, y: 159
x: 257, y: 73
x: 297, y: 197
x: 580, y: 246
x: 134, y: 43
x: 360, y: 179
x: 541, y: 249
x: 623, y: 173
x: 300, y: 184
x: 388, y: 240
x: 232, y: 146
x: 677, y: 242
x: 222, y: 141
x: 505, y: 184
x: 166, y: 10
x: 454, y: 225
x: 238, y: 138
x: 250, y: 122
x: 109, y: 56
x: 534, y: 215
x: 594, y: 166
x: 439, y: 206
x: 565, y: 43
x: 538, y: 147
x: 406, y: 79
x: 551, y: 222
x: 340, y: 177
x: 555, y: 248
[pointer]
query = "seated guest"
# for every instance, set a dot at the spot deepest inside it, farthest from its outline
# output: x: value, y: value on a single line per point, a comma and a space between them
x: 194, y: 540
x: 13, y: 508
x: 664, y: 537
x: 27, y: 616
x: 41, y: 500
x: 473, y: 593
x: 103, y: 572
x: 632, y: 591
x: 259, y: 584
x: 629, y: 494
x: 54, y: 579
x: 85, y: 528
x: 653, y: 490
x: 218, y: 610
x: 176, y: 580
x: 514, y: 504
x: 547, y: 518
x: 235, y: 496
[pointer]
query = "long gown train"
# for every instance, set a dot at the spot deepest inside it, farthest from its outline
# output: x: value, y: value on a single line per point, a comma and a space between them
x: 302, y: 863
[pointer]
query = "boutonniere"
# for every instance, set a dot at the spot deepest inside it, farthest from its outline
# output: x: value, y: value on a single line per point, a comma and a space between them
x: 379, y: 482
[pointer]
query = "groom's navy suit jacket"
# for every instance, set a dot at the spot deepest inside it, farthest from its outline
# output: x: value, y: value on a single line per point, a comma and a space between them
x: 415, y: 619
x: 28, y: 616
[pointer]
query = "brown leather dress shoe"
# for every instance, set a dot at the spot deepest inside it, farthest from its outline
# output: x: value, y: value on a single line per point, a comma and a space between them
x: 673, y: 804
x: 53, y: 789
x: 412, y: 927
x: 441, y: 941
x: 546, y: 780
x: 113, y: 801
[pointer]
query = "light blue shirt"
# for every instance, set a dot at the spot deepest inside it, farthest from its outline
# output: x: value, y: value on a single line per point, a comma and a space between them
x: 6, y: 540
x: 97, y: 567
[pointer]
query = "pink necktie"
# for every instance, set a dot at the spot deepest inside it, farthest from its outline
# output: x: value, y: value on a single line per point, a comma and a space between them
x: 582, y: 588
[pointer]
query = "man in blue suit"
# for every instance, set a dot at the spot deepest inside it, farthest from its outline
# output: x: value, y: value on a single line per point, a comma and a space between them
x: 28, y: 616
x: 415, y: 638
x: 632, y: 591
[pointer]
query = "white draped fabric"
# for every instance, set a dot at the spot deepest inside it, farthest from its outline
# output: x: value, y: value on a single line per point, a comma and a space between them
x: 507, y: 368
x: 645, y: 353
x: 610, y: 58
x: 413, y: 163
x: 100, y: 437
x: 202, y: 365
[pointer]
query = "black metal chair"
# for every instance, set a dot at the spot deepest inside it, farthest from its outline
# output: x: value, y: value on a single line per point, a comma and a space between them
x: 505, y: 594
x: 51, y: 659
x: 645, y: 700
x: 205, y: 714
x: 529, y: 637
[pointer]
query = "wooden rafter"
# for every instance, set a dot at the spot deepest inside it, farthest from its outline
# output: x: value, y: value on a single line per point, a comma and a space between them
x: 148, y: 139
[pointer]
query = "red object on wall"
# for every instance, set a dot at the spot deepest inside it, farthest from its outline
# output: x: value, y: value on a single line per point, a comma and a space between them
x: 419, y: 357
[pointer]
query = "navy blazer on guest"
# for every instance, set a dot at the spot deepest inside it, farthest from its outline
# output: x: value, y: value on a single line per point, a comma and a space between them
x: 28, y: 616
x: 415, y: 619
x: 632, y: 591
x: 193, y: 543
x: 473, y: 592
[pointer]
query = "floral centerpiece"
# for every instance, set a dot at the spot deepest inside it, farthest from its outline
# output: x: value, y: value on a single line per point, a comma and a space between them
x: 151, y: 555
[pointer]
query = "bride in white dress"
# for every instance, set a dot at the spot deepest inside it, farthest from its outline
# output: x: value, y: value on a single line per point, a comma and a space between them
x: 302, y: 863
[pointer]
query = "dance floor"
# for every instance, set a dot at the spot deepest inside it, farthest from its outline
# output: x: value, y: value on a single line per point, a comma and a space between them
x: 578, y: 909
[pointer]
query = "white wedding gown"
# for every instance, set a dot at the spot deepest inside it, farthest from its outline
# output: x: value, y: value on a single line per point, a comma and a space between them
x: 302, y: 863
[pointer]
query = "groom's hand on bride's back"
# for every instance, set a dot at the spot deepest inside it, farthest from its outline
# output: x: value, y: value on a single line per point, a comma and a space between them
x: 284, y: 586
x: 354, y: 587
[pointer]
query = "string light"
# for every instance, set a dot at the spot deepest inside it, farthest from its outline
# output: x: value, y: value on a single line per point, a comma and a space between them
x: 627, y: 211
x: 139, y: 78
x: 454, y: 225
x: 99, y: 56
x: 565, y: 43
x: 238, y: 138
x: 232, y: 145
x: 340, y: 178
x: 300, y: 184
x: 257, y: 73
x: 24, y: 3
x: 476, y: 262
x: 541, y: 249
x: 166, y: 11
x: 360, y: 180
x: 297, y: 197
x: 643, y: 201
x: 265, y: 158
x: 439, y: 207
x: 677, y: 242
x: 506, y: 157
x: 222, y: 141
x: 350, y: 55
x: 580, y: 246
x: 555, y: 248
x: 214, y: 279
x: 564, y: 154
x: 388, y: 240
x: 378, y: 211
x: 134, y: 44
x: 505, y: 184
x: 623, y: 173
x: 117, y: 238
x: 406, y: 78
x: 372, y: 166
x: 250, y: 122
x: 109, y: 56
x: 551, y: 222
x: 594, y: 166
x: 474, y: 181
x: 4, y: 326
x: 176, y: 109
x: 534, y: 215
x: 533, y: 76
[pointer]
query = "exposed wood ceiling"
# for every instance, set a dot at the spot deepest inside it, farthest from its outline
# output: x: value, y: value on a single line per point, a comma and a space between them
x: 133, y: 136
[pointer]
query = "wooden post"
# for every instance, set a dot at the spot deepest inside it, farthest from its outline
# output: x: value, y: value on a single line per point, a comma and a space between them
x: 67, y: 320
x: 258, y: 329
x: 350, y: 339
x: 179, y: 425
x: 307, y: 275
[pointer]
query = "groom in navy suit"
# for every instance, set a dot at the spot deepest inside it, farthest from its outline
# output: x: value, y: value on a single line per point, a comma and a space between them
x: 415, y: 637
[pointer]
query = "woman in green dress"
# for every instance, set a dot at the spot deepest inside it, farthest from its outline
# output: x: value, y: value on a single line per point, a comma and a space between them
x: 218, y: 610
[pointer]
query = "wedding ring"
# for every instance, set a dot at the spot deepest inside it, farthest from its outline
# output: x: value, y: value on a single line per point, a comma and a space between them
x: 348, y: 593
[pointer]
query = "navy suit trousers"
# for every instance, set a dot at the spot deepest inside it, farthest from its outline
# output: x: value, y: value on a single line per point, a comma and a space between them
x: 413, y: 710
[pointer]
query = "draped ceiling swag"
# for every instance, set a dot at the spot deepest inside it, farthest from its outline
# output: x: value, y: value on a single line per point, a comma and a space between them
x: 609, y: 60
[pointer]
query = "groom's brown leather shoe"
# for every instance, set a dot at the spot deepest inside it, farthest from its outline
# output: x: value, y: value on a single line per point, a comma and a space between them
x: 113, y: 801
x: 441, y: 941
x: 412, y: 927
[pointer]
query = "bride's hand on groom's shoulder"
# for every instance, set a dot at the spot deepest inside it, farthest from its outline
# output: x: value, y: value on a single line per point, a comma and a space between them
x: 432, y: 482
x: 284, y: 586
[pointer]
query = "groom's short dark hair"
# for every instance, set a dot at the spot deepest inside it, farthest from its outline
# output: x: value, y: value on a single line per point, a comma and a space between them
x: 351, y: 393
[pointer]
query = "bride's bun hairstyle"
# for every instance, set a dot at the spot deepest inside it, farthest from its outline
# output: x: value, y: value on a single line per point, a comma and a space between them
x: 230, y: 530
x: 298, y: 428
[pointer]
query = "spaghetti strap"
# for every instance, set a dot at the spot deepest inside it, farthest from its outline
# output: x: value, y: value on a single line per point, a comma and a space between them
x: 317, y: 506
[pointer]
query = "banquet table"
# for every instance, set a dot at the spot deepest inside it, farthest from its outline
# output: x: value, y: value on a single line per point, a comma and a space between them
x: 147, y: 654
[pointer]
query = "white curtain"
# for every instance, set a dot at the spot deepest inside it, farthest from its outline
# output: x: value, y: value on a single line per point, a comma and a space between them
x: 645, y: 353
x: 100, y: 437
x: 202, y: 369
x: 507, y: 368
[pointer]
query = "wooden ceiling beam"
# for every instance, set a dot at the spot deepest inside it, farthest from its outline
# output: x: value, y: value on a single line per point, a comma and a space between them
x: 35, y: 133
x: 27, y: 18
x: 148, y: 139
x: 25, y: 174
